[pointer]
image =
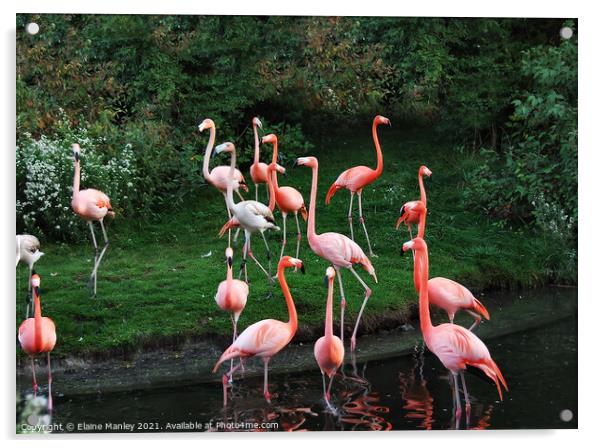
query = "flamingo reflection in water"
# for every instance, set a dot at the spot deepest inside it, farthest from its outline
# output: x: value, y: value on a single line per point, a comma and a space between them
x: 413, y: 388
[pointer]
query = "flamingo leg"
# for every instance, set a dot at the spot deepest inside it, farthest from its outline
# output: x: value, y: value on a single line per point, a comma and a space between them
x: 343, y: 302
x: 33, y: 373
x: 458, y: 409
x: 49, y: 383
x: 92, y: 281
x: 298, y: 236
x: 29, y: 293
x: 477, y: 321
x: 269, y: 256
x: 250, y: 253
x: 226, y: 380
x: 229, y: 218
x: 466, y: 398
x: 324, y: 387
x: 359, y: 200
x: 233, y: 339
x: 266, y: 391
x: 328, y: 390
x: 284, y: 215
x: 239, y: 195
x: 359, y: 316
x: 257, y: 192
x: 104, y: 249
x: 243, y: 264
x: 350, y: 216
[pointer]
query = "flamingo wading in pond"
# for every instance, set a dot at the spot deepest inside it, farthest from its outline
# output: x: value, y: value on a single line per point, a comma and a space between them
x: 329, y: 350
x: 288, y: 199
x: 356, y: 178
x: 267, y: 337
x: 252, y: 216
x: 91, y: 205
x: 218, y: 177
x: 455, y: 346
x: 37, y: 335
x: 28, y: 251
x: 337, y: 249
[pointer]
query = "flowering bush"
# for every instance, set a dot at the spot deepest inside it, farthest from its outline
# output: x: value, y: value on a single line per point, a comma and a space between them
x: 45, y: 178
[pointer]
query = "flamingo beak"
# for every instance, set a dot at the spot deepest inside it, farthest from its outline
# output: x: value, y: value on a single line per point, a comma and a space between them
x: 259, y: 124
x: 399, y: 221
x: 36, y: 291
x: 302, y: 267
x: 229, y: 260
x: 76, y: 156
x: 326, y: 281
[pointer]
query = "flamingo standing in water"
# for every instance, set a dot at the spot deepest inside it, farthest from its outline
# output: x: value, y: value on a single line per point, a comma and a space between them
x: 218, y: 177
x: 336, y: 249
x: 447, y: 294
x: 267, y: 337
x: 455, y: 346
x: 356, y: 178
x: 28, y: 251
x: 329, y: 350
x: 38, y: 335
x: 411, y: 212
x: 252, y: 216
x: 288, y: 199
x: 91, y: 205
x: 232, y: 294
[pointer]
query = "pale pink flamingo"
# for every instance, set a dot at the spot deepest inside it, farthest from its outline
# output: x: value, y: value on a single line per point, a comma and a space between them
x: 28, y: 251
x: 356, y: 178
x: 259, y: 170
x: 336, y: 249
x: 455, y: 346
x: 267, y: 337
x: 288, y: 199
x: 329, y: 350
x: 447, y: 294
x: 218, y: 177
x: 252, y: 216
x: 38, y: 335
x: 410, y: 212
x: 232, y: 294
x: 91, y: 205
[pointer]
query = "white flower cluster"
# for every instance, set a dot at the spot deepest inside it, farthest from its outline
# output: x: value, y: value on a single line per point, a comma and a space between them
x: 552, y: 218
x: 45, y: 179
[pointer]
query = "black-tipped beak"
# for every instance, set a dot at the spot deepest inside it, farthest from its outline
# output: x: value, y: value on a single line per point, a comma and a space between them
x: 76, y: 156
x: 213, y: 154
x: 302, y: 268
x: 33, y: 272
x: 326, y: 281
x: 401, y: 252
x: 36, y: 290
x: 229, y: 260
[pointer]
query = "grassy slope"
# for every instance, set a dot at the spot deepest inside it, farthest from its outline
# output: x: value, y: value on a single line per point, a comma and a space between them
x: 155, y: 281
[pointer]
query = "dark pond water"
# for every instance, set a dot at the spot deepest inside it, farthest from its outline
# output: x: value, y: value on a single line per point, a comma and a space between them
x: 409, y: 392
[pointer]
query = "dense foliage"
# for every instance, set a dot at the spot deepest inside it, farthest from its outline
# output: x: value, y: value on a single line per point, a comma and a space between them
x: 504, y: 90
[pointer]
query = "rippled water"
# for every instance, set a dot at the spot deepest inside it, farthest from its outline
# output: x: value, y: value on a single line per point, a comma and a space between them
x: 410, y: 392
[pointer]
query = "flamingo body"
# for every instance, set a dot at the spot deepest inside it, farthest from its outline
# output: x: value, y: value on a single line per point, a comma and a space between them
x: 451, y: 296
x: 329, y: 354
x: 218, y: 177
x: 91, y: 204
x: 340, y: 251
x: 354, y: 179
x: 27, y: 336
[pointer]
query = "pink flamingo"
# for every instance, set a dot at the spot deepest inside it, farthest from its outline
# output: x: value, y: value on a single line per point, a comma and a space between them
x: 410, y: 212
x: 288, y: 199
x: 267, y: 337
x: 259, y: 170
x: 455, y: 346
x: 329, y: 350
x: 218, y: 177
x: 356, y: 178
x: 447, y: 294
x: 38, y: 335
x: 232, y: 294
x: 336, y: 249
x: 91, y: 205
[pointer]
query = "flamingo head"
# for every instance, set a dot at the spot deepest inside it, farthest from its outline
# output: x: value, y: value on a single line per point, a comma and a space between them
x: 229, y: 255
x: 257, y: 122
x: 207, y: 123
x: 35, y: 283
x: 290, y: 262
x: 417, y: 244
x: 276, y: 167
x: 225, y: 147
x: 308, y: 161
x: 76, y: 150
x: 270, y: 138
x: 425, y: 171
x: 382, y: 120
x: 330, y: 274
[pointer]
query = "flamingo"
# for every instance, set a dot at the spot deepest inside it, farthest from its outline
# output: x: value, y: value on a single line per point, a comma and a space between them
x: 259, y: 170
x: 252, y: 216
x: 91, y: 205
x: 28, y: 251
x: 232, y: 294
x: 288, y: 199
x: 336, y: 249
x: 447, y: 294
x: 356, y: 178
x: 38, y: 335
x: 218, y: 177
x: 410, y: 212
x: 267, y: 337
x: 329, y: 350
x: 455, y: 346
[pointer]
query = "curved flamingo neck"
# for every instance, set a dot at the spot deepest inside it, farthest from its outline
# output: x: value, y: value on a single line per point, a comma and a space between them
x: 229, y: 188
x: 379, y: 154
x: 37, y: 315
x: 422, y: 223
x: 311, y: 221
x: 76, y: 173
x: 256, y: 135
x: 422, y: 191
x: 208, y: 150
x: 422, y: 265
x: 328, y: 323
x: 271, y: 189
x: 275, y: 150
x: 292, y: 311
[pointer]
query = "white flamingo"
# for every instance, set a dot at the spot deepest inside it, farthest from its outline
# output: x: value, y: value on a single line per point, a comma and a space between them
x: 28, y: 251
x: 252, y: 216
